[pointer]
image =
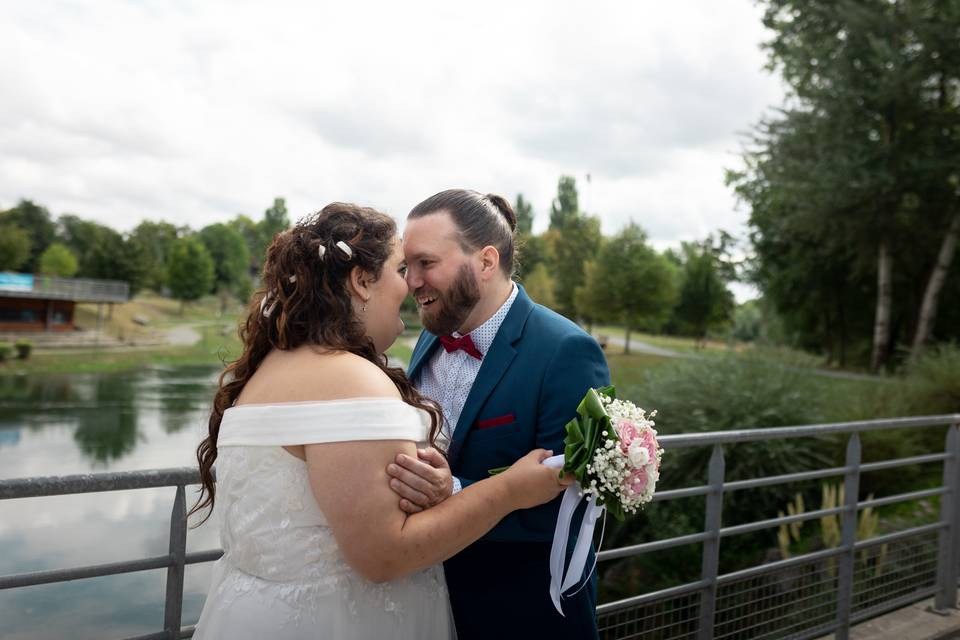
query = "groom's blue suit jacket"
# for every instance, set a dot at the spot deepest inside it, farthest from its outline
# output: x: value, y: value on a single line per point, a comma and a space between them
x: 531, y: 380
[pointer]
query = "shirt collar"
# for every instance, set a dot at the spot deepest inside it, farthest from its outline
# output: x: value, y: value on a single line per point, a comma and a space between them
x: 483, y: 335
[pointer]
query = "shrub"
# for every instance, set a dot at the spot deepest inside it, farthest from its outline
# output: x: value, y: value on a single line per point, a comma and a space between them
x: 24, y: 347
x: 933, y: 381
x: 6, y: 350
x: 717, y: 394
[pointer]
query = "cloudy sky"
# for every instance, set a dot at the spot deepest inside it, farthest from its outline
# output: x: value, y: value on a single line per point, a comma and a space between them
x: 196, y: 111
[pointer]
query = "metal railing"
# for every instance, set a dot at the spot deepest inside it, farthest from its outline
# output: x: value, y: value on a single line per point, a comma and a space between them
x: 78, y: 289
x: 801, y: 597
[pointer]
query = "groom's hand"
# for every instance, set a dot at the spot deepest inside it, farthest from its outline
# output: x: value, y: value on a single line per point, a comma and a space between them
x: 421, y: 482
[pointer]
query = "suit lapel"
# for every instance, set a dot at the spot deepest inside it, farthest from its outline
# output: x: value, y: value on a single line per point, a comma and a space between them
x: 421, y: 354
x: 495, y: 363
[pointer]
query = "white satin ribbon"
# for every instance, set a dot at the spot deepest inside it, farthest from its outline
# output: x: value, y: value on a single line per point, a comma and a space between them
x: 560, y: 581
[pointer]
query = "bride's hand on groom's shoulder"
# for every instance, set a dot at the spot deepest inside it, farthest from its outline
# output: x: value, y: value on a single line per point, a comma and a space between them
x: 421, y: 482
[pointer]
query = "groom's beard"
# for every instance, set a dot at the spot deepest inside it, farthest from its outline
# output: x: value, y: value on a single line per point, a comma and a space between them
x: 452, y: 307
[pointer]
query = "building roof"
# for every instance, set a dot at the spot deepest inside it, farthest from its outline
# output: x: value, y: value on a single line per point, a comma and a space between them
x: 25, y: 285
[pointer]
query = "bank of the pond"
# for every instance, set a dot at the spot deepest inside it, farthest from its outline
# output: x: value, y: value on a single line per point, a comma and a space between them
x: 212, y: 349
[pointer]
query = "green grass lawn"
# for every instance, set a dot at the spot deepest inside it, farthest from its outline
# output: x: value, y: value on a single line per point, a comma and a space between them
x: 673, y: 343
x: 213, y: 349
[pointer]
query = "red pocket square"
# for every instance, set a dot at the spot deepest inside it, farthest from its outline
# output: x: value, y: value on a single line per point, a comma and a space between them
x: 495, y: 422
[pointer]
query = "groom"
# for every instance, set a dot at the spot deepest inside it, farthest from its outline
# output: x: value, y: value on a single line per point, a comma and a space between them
x: 508, y: 374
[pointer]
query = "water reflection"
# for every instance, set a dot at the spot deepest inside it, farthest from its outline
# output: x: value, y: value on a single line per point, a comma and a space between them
x: 64, y: 424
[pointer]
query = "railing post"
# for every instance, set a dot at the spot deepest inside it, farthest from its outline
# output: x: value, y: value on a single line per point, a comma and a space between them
x: 949, y: 542
x: 848, y: 537
x: 711, y: 546
x: 178, y: 551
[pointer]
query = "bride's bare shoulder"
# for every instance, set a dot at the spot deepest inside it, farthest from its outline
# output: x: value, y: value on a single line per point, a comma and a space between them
x: 312, y: 374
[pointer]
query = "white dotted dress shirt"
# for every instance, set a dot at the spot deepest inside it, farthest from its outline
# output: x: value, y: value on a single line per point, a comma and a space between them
x: 448, y: 377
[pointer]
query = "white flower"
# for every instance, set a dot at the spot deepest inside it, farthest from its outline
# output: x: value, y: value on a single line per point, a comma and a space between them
x: 639, y: 456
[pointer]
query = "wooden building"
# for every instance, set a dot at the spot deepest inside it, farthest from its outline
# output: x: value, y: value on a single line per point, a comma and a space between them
x: 46, y: 303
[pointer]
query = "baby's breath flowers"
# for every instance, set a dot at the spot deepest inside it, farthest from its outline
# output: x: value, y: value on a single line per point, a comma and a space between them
x: 625, y: 465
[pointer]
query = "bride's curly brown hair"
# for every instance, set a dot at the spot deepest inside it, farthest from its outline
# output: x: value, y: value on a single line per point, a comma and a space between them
x: 305, y: 300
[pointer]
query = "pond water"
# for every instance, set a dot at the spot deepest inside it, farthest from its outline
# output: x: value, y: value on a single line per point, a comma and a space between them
x: 82, y: 423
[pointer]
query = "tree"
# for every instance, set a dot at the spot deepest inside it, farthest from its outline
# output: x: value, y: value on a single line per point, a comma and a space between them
x: 14, y: 247
x: 704, y: 299
x: 575, y: 244
x: 274, y: 221
x: 587, y: 299
x: 636, y: 283
x: 154, y: 239
x: 540, y: 285
x: 566, y: 206
x: 524, y: 211
x: 57, y: 260
x: 36, y: 221
x: 190, y: 270
x: 230, y: 256
x: 104, y: 253
x: 258, y: 235
x: 531, y: 252
x: 861, y: 167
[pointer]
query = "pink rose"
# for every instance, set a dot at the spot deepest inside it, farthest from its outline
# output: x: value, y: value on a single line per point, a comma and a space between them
x: 628, y: 433
x: 637, y: 480
x: 650, y: 444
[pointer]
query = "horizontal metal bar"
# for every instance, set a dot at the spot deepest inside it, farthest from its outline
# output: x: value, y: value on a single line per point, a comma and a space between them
x: 757, y: 609
x: 783, y: 479
x: 210, y: 555
x: 799, y: 431
x: 653, y: 596
x: 96, y: 482
x: 816, y: 632
x: 895, y: 603
x: 912, y: 579
x: 776, y: 522
x: 647, y: 547
x: 159, y: 635
x: 899, y: 535
x: 760, y: 525
x: 92, y: 571
x: 901, y: 497
x: 743, y: 574
x: 740, y: 630
x: 730, y: 595
x: 903, y: 462
x: 673, y: 494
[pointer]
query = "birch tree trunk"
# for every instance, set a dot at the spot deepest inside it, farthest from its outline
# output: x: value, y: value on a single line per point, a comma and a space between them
x: 931, y: 294
x: 881, y: 327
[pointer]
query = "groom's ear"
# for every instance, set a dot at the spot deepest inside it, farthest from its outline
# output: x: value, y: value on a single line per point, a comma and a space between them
x: 489, y: 262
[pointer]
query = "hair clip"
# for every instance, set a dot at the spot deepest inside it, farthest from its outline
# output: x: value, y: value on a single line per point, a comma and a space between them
x: 264, y: 309
x: 292, y: 279
x: 321, y: 251
x: 343, y: 246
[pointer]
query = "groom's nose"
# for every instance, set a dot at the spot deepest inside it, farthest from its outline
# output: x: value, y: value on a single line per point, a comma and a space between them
x: 414, y: 281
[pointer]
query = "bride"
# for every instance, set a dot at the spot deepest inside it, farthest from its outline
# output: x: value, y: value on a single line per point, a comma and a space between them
x: 303, y: 427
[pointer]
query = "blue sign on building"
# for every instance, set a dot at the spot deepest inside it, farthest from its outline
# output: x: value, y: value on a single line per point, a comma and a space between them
x: 16, y: 281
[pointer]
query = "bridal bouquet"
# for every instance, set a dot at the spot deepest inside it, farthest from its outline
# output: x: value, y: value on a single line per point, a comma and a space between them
x: 611, y: 449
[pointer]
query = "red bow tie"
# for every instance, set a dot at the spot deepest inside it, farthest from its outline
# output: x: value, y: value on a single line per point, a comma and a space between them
x: 451, y: 344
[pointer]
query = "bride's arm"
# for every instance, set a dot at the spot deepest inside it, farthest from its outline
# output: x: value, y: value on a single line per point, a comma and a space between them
x: 379, y: 540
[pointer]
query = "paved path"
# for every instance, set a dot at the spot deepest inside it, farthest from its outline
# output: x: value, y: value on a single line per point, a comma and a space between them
x: 643, y: 347
x: 182, y: 335
x: 915, y: 622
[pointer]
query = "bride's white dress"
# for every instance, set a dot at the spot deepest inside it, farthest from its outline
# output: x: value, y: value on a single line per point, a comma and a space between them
x: 282, y: 575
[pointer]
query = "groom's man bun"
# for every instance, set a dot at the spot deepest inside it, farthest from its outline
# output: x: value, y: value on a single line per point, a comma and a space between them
x: 481, y: 219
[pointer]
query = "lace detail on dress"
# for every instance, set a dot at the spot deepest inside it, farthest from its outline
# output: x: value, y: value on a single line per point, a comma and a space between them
x: 278, y: 548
